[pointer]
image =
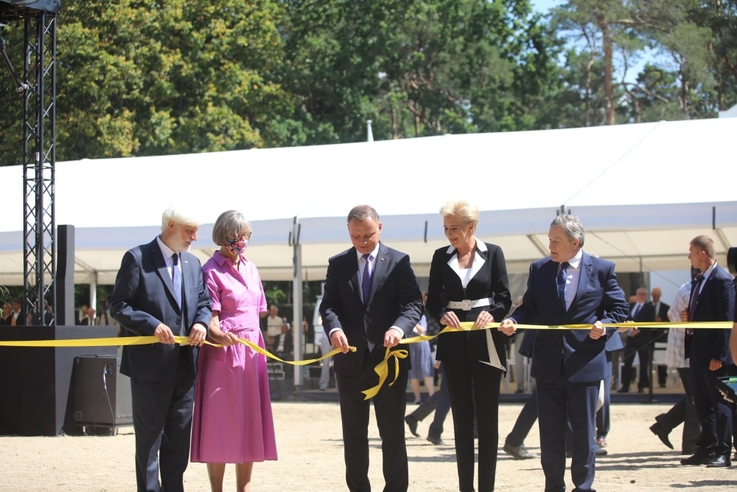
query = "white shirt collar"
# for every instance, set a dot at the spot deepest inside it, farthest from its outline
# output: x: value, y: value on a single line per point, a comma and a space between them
x: 165, y: 250
x: 480, y: 245
x: 374, y: 254
x: 708, y: 271
x: 575, y: 262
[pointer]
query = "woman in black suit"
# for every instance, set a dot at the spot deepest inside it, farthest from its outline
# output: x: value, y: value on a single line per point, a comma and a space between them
x: 468, y: 282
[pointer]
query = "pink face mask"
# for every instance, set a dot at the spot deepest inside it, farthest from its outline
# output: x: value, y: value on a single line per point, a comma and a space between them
x: 237, y: 246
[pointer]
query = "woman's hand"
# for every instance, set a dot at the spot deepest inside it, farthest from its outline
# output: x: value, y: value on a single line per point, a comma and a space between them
x: 450, y: 319
x: 483, y: 320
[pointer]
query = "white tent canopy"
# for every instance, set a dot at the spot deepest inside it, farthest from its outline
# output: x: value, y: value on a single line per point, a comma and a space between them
x: 642, y: 191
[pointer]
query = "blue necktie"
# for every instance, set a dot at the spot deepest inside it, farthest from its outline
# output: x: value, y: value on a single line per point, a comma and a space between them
x: 366, y: 279
x: 176, y: 279
x: 695, y: 286
x: 561, y: 281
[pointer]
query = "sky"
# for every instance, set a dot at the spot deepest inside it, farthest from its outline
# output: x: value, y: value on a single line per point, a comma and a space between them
x: 544, y: 5
x: 636, y: 65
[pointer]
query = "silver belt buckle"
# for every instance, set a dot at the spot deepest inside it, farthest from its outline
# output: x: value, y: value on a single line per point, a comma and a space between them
x: 466, y: 304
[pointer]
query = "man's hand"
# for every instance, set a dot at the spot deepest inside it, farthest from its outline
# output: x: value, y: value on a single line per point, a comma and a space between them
x: 339, y: 340
x: 164, y: 334
x: 684, y: 315
x: 597, y: 331
x: 392, y: 337
x: 715, y: 365
x: 508, y: 327
x: 197, y: 335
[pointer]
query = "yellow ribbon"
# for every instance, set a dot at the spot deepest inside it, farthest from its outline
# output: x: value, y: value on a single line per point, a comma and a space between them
x: 127, y: 341
x: 382, y: 369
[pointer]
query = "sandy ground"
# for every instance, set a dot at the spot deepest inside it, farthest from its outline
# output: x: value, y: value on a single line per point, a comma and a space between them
x: 311, y: 458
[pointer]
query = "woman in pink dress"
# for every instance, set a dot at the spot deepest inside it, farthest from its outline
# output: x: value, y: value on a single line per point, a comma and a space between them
x: 232, y: 420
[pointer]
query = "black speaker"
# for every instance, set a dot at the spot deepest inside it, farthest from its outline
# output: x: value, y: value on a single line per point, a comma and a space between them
x: 102, y: 396
x: 65, y: 313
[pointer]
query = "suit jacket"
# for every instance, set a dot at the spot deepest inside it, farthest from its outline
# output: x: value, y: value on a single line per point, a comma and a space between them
x: 715, y: 303
x: 645, y: 315
x: 395, y: 300
x: 598, y: 298
x: 490, y: 280
x: 143, y: 297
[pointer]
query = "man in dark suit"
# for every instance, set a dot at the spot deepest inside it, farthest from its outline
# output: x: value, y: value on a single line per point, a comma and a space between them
x: 638, y: 342
x: 371, y: 301
x: 160, y: 291
x: 569, y: 287
x: 712, y: 299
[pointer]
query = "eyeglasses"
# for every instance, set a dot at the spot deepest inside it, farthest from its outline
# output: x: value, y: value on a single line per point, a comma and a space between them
x: 243, y: 237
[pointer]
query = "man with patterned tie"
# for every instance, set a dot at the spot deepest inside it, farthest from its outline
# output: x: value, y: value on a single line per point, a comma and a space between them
x: 371, y: 302
x: 160, y: 291
x: 569, y: 365
x: 712, y: 299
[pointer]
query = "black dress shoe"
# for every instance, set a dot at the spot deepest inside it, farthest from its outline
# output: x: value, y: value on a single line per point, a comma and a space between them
x: 600, y: 451
x: 721, y: 461
x: 412, y: 424
x: 698, y: 459
x: 436, y: 441
x: 518, y: 452
x: 623, y: 390
x: 659, y: 431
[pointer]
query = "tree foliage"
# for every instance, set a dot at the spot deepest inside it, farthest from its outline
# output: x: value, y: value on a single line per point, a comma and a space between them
x: 149, y: 77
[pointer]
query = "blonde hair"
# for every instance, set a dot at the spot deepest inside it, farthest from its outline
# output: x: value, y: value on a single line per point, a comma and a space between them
x: 466, y: 211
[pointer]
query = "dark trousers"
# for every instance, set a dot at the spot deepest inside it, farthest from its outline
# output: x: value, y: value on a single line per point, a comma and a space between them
x: 162, y: 421
x: 629, y: 357
x: 474, y: 390
x: 683, y: 412
x: 556, y: 402
x: 390, y: 404
x: 438, y: 402
x: 714, y: 412
x: 525, y: 420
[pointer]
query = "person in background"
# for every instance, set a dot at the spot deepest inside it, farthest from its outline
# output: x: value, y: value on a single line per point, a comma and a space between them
x: 421, y: 360
x: 683, y: 412
x: 712, y: 299
x: 7, y: 314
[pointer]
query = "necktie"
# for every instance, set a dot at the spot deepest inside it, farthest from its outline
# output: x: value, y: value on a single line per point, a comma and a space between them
x: 695, y: 287
x: 366, y: 279
x: 561, y: 281
x: 635, y: 311
x: 176, y: 279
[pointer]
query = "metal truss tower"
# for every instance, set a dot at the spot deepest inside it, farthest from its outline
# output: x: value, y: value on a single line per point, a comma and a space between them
x: 39, y: 155
x: 39, y: 161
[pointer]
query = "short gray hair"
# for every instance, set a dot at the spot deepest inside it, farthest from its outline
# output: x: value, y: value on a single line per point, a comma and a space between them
x: 363, y: 212
x: 228, y: 226
x: 178, y: 216
x: 573, y: 227
x: 466, y: 211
